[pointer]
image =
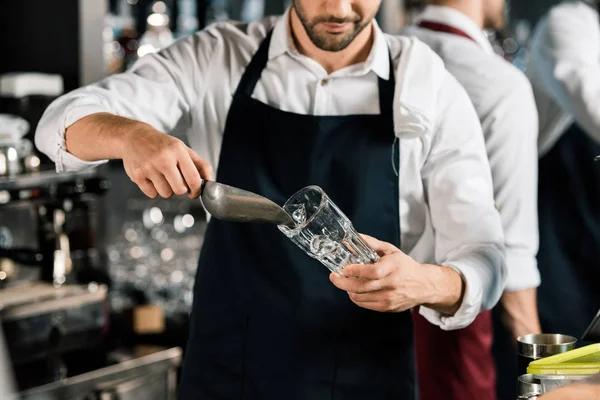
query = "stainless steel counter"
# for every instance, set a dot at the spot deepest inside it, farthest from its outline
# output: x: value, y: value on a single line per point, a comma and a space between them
x: 148, y: 374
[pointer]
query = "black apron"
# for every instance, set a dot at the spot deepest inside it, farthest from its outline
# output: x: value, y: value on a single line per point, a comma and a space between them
x: 266, y: 321
x: 569, y: 251
x: 569, y: 255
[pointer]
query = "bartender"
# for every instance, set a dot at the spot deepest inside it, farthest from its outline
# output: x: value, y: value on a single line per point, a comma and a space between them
x: 508, y: 115
x: 564, y: 71
x: 318, y: 96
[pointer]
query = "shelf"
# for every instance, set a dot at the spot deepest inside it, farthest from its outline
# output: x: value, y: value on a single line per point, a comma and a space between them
x: 144, y: 361
x: 41, y: 179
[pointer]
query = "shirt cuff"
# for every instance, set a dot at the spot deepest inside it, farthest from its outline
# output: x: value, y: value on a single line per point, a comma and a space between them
x: 484, y: 282
x: 66, y: 161
x: 523, y: 272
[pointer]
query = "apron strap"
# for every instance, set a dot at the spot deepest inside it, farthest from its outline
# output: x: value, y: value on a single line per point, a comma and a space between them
x: 386, y: 91
x: 254, y: 69
x: 445, y: 28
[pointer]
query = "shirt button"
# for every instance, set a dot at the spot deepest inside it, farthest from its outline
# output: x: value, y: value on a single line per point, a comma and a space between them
x: 324, y: 82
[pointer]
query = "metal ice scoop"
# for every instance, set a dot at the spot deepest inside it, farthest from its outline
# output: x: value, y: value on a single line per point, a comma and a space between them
x: 229, y: 203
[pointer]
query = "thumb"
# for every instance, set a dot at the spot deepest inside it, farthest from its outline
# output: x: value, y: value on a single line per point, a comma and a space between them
x: 382, y: 248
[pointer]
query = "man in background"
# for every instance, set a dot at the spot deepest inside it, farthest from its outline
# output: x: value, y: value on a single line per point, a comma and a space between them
x: 460, y: 362
x: 564, y: 70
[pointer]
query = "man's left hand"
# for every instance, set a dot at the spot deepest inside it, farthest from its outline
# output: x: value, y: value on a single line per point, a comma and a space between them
x: 397, y: 282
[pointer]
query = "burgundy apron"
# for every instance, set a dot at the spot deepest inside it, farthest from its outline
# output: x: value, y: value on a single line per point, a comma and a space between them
x: 454, y: 365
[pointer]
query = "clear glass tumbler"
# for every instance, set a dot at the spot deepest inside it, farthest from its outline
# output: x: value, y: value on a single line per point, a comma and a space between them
x: 324, y: 232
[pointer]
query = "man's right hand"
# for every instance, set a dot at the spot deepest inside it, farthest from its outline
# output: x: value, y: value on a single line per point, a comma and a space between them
x: 158, y: 163
x: 163, y: 165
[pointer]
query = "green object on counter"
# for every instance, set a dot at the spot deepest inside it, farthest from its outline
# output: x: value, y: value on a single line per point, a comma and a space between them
x: 581, y: 361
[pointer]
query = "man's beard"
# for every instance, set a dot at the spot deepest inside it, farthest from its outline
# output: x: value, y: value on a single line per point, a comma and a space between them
x: 328, y: 41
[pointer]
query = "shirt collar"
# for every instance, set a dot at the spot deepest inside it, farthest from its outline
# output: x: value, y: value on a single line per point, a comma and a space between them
x: 377, y: 61
x: 458, y: 20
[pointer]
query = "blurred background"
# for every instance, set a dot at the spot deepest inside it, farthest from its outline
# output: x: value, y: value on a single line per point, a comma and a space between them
x: 105, y: 296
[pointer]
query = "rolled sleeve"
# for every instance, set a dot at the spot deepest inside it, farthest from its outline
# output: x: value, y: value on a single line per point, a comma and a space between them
x: 50, y: 138
x: 471, y: 266
x: 468, y: 230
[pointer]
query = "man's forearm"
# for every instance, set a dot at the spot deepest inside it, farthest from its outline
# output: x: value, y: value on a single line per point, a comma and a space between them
x: 158, y: 163
x: 99, y: 136
x: 519, y: 312
x: 446, y: 289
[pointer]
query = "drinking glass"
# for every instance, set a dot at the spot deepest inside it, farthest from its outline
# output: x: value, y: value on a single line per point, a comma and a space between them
x: 324, y: 232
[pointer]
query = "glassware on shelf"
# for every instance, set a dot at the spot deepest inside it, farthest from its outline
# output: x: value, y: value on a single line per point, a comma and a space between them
x: 156, y: 251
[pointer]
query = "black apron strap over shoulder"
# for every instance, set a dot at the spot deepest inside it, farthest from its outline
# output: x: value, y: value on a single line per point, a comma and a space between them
x: 386, y: 92
x: 253, y: 71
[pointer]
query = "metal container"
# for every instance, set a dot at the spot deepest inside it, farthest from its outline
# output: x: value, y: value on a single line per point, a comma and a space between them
x: 536, y: 346
x: 550, y: 383
x: 14, y: 148
x: 528, y: 386
x: 9, y: 161
x: 16, y: 159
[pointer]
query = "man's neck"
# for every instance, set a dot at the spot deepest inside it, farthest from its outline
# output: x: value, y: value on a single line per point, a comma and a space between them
x: 356, y: 52
x: 472, y: 9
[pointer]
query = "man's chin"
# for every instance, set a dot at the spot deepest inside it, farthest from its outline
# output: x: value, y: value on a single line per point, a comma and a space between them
x: 332, y: 42
x: 333, y: 48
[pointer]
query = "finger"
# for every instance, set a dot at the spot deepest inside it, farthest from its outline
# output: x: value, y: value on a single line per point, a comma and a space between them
x: 148, y: 188
x: 379, y: 296
x: 175, y: 180
x: 203, y: 166
x: 374, y: 306
x: 382, y: 248
x: 162, y: 186
x: 376, y: 271
x: 144, y: 184
x: 356, y: 285
x: 191, y: 175
x: 380, y: 301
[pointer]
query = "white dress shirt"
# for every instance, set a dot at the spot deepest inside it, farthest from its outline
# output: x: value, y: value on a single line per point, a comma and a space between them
x: 504, y: 101
x: 564, y: 70
x: 447, y: 213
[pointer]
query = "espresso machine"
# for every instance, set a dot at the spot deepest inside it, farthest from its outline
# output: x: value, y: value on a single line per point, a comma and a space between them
x: 55, y: 312
x: 53, y: 292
